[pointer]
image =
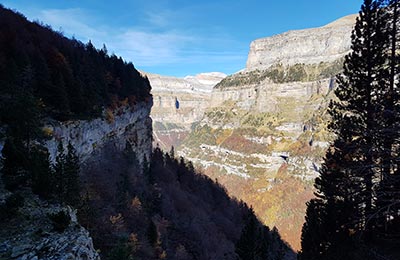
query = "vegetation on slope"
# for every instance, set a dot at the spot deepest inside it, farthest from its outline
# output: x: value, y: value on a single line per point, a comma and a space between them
x: 232, y: 140
x: 282, y: 74
x: 168, y: 210
x: 65, y: 78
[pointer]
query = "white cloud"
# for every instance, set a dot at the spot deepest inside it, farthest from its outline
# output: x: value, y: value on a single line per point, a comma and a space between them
x: 153, y: 45
x: 159, y: 19
x: 71, y: 21
x: 147, y: 48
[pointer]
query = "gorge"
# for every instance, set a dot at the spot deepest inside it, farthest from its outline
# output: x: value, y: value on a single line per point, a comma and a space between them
x: 262, y: 131
x: 295, y: 155
x: 76, y: 131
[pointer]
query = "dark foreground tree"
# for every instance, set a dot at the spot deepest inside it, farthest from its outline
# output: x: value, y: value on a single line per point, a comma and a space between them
x: 66, y: 171
x: 72, y: 169
x: 340, y: 221
x: 42, y: 175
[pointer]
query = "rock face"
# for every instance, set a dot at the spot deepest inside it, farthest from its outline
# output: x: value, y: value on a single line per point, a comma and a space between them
x: 324, y: 44
x: 132, y: 124
x: 35, y: 237
x: 31, y: 232
x: 178, y: 103
x: 182, y: 101
x: 265, y: 134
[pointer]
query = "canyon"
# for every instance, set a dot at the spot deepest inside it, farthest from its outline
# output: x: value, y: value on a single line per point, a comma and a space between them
x: 261, y: 132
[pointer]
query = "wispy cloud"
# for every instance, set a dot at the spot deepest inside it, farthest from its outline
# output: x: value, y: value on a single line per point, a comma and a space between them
x: 155, y: 43
x: 70, y: 21
x: 159, y: 19
x: 148, y: 48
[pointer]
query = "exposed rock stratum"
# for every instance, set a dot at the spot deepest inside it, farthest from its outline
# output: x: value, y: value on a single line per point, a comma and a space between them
x: 262, y: 132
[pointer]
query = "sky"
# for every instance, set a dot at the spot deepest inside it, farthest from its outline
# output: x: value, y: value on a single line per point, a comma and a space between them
x: 181, y: 37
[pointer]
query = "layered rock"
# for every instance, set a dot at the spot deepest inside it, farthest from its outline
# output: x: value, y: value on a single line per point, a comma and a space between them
x: 124, y: 124
x: 31, y: 234
x: 264, y: 134
x: 324, y: 44
x: 178, y: 103
x: 182, y: 101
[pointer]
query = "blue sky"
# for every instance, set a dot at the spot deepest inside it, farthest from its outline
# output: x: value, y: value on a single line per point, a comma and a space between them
x: 178, y: 37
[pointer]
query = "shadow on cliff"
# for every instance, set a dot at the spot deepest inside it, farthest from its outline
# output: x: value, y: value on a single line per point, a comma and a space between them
x: 168, y: 210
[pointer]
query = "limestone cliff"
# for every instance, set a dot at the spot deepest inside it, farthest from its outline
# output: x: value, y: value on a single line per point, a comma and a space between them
x: 309, y: 46
x: 178, y: 103
x: 126, y: 123
x: 31, y: 232
x: 182, y: 101
x: 264, y: 134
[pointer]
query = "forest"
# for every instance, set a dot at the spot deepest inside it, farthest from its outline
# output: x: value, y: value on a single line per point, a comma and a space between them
x: 66, y: 79
x: 165, y: 209
x: 44, y: 75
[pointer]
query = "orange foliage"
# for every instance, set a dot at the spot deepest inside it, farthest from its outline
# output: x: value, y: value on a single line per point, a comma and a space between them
x: 117, y: 221
x: 109, y: 116
x: 133, y: 241
x: 282, y: 206
x: 136, y: 204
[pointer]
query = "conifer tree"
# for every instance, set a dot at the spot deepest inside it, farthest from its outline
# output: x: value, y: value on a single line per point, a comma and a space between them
x: 42, y: 176
x: 72, y: 168
x: 152, y: 234
x: 255, y: 242
x: 386, y: 215
x: 15, y: 164
x: 59, y: 172
x: 313, y: 237
x: 247, y: 246
x: 346, y: 185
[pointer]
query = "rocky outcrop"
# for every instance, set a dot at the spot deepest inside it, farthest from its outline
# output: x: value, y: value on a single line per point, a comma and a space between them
x: 324, y: 44
x: 32, y: 231
x: 178, y: 103
x: 182, y: 101
x: 132, y: 124
x: 31, y: 234
x: 266, y: 96
x: 203, y: 82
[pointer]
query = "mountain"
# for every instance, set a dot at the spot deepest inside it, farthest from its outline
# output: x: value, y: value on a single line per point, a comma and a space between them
x: 310, y: 46
x: 78, y: 176
x: 178, y: 104
x: 263, y: 133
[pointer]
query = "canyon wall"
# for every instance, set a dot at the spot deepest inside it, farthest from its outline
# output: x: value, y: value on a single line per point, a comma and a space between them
x: 124, y: 124
x: 309, y: 46
x: 265, y: 134
x: 178, y: 104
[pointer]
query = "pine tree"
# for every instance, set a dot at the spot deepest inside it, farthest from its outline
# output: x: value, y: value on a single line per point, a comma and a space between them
x: 15, y: 164
x: 313, y: 236
x: 152, y: 234
x: 254, y: 241
x: 59, y: 172
x: 172, y: 153
x: 72, y: 168
x: 355, y: 117
x: 386, y: 216
x: 346, y: 185
x: 42, y: 176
